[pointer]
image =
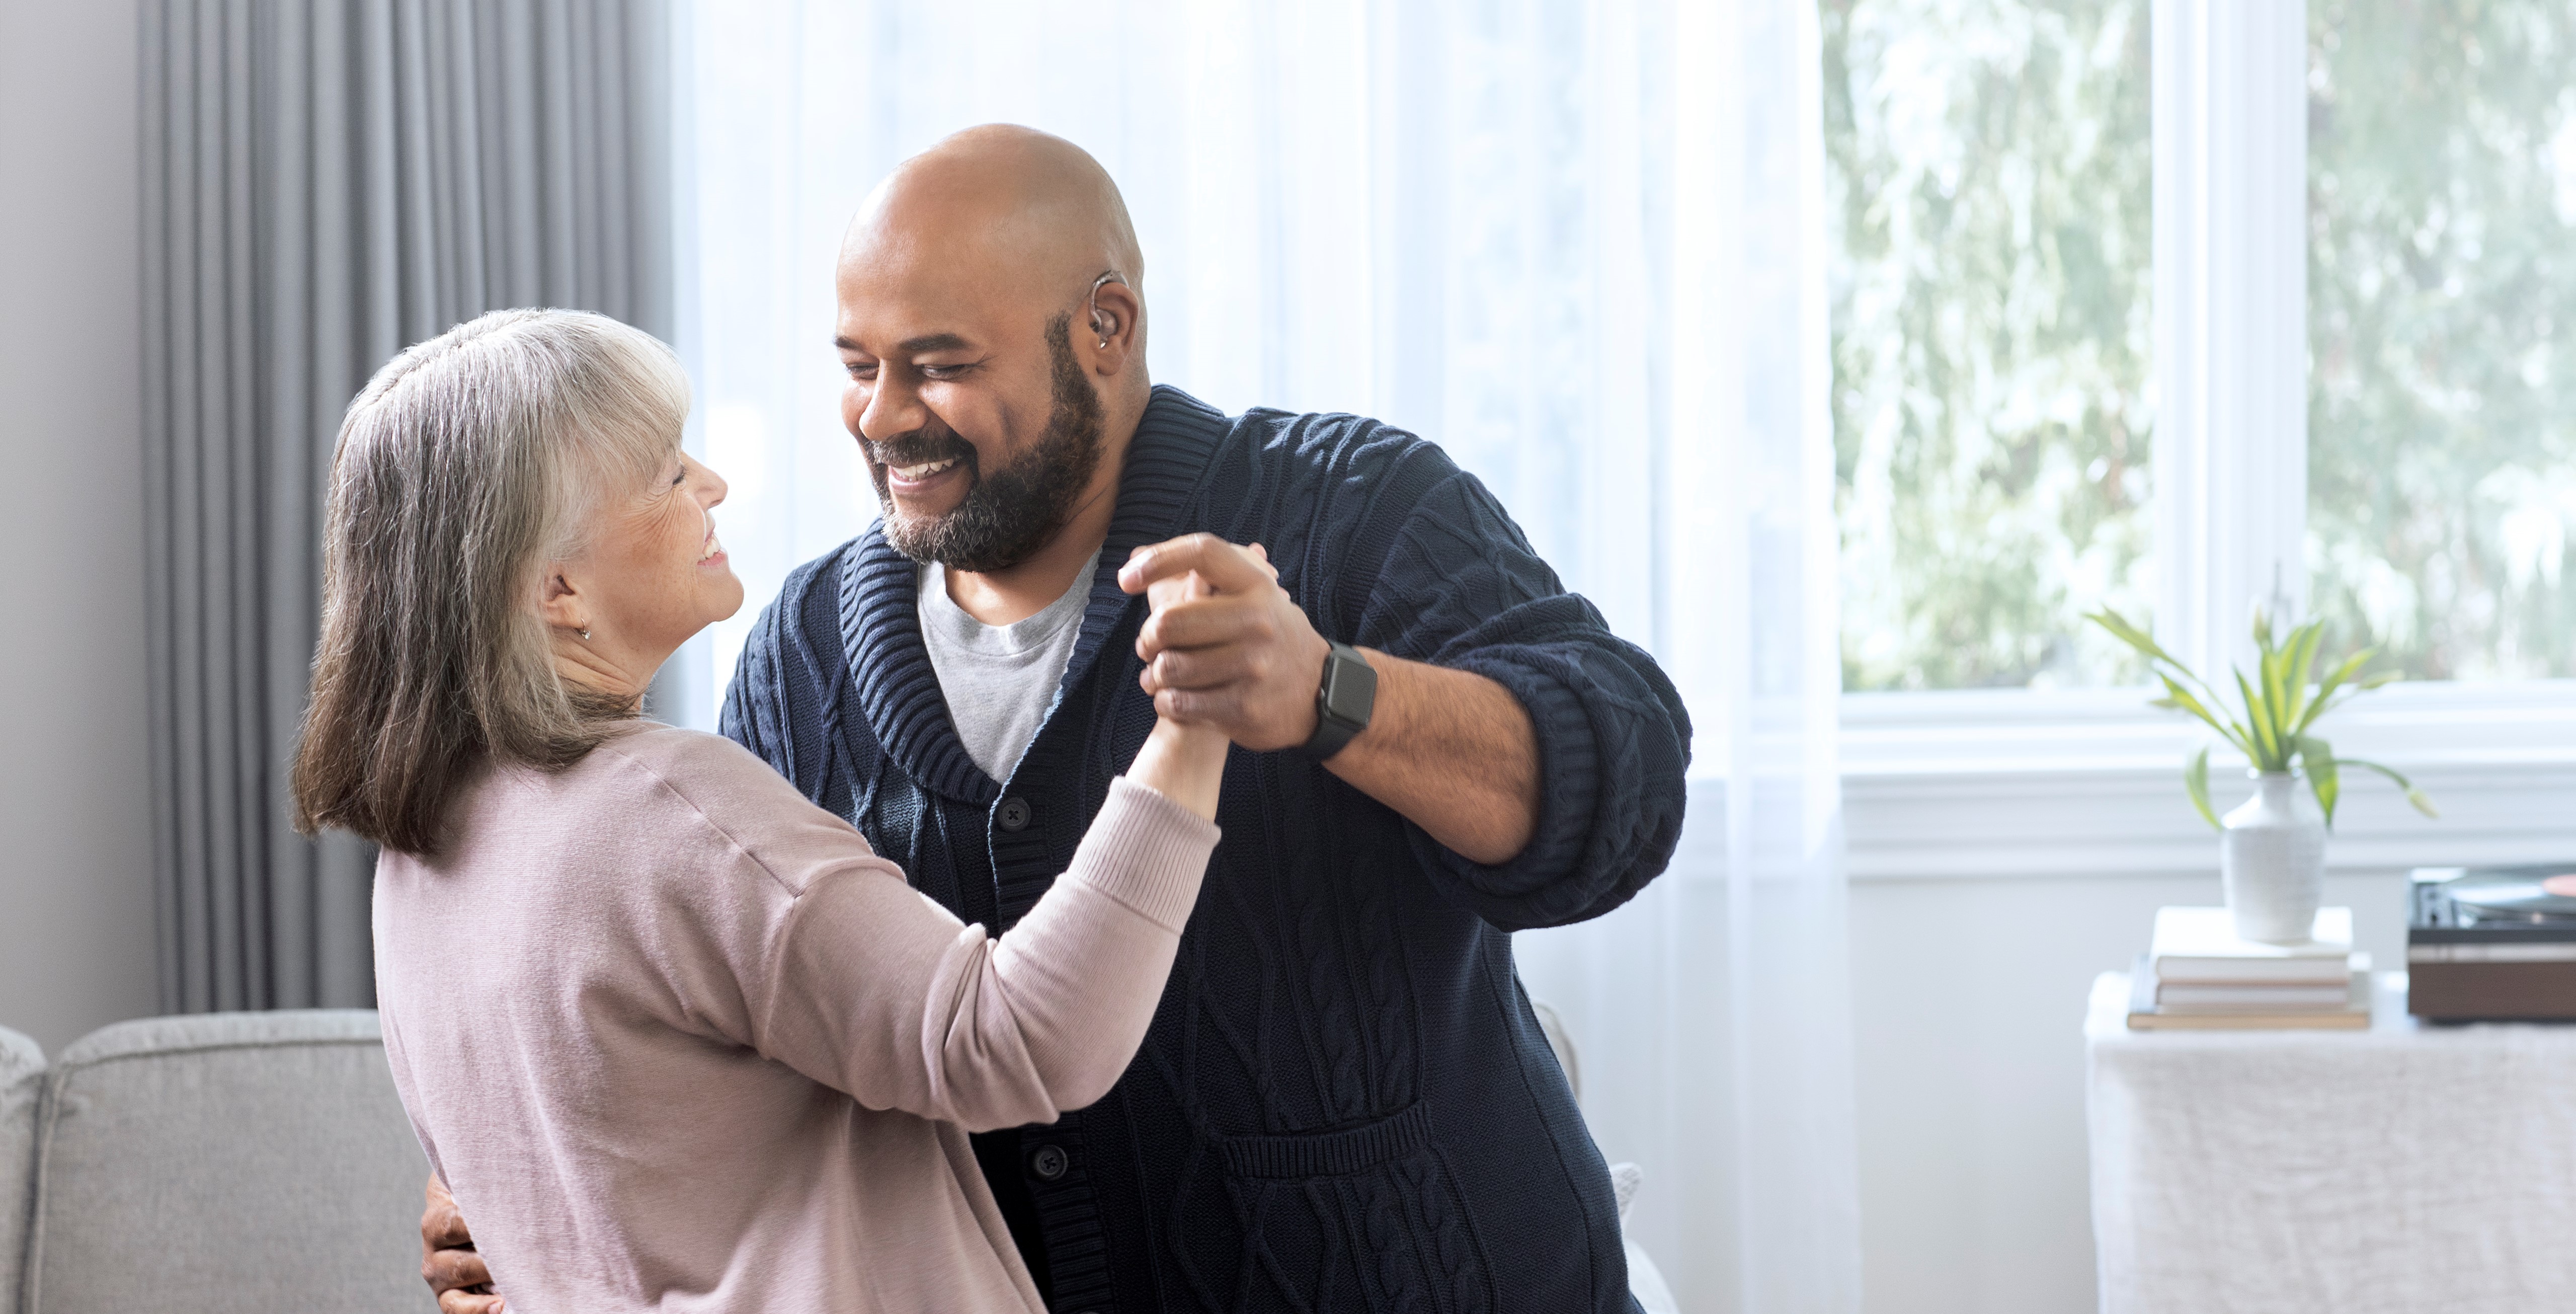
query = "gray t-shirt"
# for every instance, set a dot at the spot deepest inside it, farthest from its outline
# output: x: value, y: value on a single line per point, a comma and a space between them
x: 999, y: 679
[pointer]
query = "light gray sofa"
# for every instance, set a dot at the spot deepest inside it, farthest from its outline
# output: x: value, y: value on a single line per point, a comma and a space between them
x: 22, y: 1087
x: 254, y: 1162
x: 229, y: 1161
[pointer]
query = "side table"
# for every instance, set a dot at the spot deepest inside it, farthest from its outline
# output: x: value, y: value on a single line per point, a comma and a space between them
x: 2400, y: 1169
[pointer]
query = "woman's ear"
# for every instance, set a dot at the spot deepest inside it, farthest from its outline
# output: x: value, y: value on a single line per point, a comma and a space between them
x: 563, y: 607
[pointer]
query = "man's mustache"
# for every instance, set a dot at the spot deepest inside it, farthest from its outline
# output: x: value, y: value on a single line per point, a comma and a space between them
x: 919, y: 447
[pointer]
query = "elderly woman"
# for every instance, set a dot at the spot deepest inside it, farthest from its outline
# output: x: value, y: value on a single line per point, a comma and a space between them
x: 672, y: 1034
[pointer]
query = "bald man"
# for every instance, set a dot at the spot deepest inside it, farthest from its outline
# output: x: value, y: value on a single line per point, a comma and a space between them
x: 1345, y: 1102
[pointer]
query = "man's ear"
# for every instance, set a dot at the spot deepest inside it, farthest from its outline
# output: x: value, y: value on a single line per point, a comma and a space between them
x: 1110, y: 329
x: 562, y: 606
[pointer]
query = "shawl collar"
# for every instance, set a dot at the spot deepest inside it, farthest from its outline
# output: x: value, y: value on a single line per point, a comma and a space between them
x: 890, y: 673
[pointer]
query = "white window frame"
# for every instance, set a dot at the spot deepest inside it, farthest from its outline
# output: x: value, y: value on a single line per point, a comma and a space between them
x: 1990, y: 783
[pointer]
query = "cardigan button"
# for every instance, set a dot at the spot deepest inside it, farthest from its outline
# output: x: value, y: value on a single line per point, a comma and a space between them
x: 1013, y: 815
x: 1049, y: 1162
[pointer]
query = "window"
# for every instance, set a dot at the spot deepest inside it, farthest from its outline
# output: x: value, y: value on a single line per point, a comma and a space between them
x: 1990, y: 166
x: 2353, y: 288
x: 1991, y: 272
x: 2442, y: 331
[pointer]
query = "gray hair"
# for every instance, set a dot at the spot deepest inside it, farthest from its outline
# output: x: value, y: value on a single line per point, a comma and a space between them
x: 466, y: 465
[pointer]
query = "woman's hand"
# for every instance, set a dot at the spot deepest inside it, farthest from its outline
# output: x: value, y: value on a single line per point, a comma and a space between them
x: 1184, y: 763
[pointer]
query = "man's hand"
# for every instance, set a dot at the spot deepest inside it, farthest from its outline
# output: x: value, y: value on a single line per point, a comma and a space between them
x: 447, y: 1259
x: 1451, y: 750
x: 1235, y: 653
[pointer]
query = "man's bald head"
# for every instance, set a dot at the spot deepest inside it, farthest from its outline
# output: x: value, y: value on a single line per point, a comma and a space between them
x: 1021, y: 203
x: 990, y: 321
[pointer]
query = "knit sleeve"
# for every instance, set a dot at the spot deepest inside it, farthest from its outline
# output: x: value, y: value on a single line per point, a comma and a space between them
x: 1459, y: 586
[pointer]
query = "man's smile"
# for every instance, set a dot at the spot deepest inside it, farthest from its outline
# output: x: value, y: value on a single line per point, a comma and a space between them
x: 924, y: 470
x: 915, y: 480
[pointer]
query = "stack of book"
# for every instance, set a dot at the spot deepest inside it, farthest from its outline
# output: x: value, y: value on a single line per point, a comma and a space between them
x: 2200, y: 976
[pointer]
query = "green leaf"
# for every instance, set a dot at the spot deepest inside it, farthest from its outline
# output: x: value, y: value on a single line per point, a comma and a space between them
x: 2343, y: 696
x: 2129, y: 634
x: 2147, y: 647
x: 2195, y: 782
x: 2302, y: 666
x: 2136, y: 638
x: 2323, y: 779
x: 2268, y: 752
x: 2377, y: 679
x: 2267, y: 682
x: 2318, y: 706
x: 2177, y: 696
x: 2262, y: 632
x: 2414, y: 796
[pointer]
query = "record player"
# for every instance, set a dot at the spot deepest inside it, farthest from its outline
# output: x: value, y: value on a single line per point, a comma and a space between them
x: 2492, y: 943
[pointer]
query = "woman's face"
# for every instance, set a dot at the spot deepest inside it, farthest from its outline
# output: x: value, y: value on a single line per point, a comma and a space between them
x: 655, y: 574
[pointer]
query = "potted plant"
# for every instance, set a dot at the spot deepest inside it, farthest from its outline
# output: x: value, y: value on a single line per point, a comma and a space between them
x: 2272, y: 850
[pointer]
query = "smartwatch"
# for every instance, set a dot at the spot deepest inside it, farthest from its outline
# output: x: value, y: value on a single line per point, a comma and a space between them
x: 1342, y: 701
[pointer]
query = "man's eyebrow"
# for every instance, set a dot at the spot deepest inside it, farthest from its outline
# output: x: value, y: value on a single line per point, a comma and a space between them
x: 926, y: 342
x: 931, y: 342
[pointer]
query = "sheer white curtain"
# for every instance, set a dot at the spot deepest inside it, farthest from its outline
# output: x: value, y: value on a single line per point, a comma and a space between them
x: 1578, y: 244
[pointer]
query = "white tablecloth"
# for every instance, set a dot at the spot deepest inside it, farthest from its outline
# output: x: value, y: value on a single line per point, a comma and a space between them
x: 2395, y: 1169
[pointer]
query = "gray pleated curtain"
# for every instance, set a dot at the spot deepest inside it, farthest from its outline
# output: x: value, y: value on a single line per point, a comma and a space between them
x: 324, y: 183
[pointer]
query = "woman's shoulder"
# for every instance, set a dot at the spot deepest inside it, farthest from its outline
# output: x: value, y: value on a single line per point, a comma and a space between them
x: 679, y: 751
x: 711, y: 772
x: 670, y: 777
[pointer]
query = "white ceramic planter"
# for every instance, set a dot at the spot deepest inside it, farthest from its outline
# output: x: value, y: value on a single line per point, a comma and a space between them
x: 2273, y: 860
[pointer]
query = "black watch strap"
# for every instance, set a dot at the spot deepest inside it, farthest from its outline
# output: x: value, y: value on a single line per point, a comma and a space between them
x: 1342, y: 702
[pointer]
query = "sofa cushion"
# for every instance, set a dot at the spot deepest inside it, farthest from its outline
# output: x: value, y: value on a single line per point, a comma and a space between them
x: 22, y: 1080
x: 229, y: 1161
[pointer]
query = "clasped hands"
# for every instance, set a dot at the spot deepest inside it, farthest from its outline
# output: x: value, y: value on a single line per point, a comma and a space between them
x: 1226, y: 647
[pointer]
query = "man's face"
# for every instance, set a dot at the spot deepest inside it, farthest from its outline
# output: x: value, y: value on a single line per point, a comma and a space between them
x: 980, y: 428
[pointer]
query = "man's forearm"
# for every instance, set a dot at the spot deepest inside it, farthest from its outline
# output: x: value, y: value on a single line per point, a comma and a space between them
x: 1454, y: 752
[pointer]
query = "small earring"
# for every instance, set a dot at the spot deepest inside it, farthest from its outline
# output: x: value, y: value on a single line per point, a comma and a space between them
x: 585, y: 635
x: 1104, y: 344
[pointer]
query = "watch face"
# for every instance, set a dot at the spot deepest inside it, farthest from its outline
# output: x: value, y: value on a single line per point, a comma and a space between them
x: 1350, y: 688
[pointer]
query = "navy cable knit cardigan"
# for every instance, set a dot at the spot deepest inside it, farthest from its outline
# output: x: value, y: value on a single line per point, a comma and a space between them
x: 1344, y: 1102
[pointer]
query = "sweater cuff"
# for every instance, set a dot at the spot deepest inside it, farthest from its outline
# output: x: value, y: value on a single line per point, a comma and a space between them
x: 1569, y: 772
x: 1147, y: 852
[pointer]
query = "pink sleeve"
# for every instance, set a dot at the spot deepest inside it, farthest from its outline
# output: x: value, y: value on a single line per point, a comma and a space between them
x: 878, y: 991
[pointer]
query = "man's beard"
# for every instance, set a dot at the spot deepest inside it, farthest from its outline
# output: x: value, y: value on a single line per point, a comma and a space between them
x: 1009, y: 514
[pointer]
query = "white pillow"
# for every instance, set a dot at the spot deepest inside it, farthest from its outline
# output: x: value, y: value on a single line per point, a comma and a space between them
x: 1645, y: 1281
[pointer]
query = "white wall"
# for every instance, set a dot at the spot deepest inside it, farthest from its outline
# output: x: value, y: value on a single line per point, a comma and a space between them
x: 1969, y: 1004
x: 75, y: 834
